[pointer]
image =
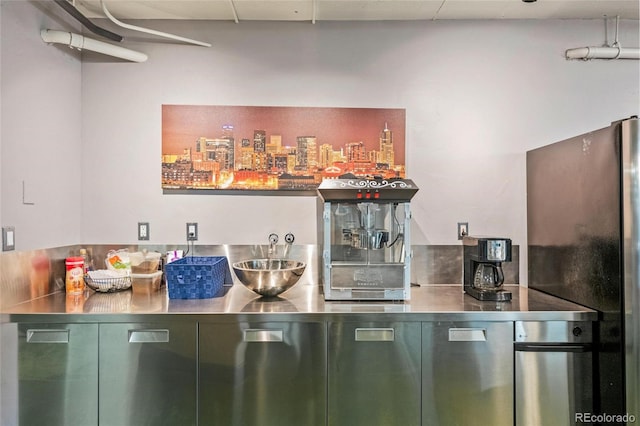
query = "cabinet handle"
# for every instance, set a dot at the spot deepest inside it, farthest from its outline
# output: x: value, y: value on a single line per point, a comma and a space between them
x: 553, y: 347
x: 47, y: 336
x: 374, y: 335
x: 148, y: 336
x: 263, y: 335
x: 467, y: 335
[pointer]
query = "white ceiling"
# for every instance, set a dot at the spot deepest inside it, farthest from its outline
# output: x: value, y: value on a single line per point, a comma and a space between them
x: 359, y: 10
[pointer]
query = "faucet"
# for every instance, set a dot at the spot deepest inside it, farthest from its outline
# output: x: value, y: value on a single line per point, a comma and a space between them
x: 289, y: 238
x: 273, y: 240
x: 273, y: 247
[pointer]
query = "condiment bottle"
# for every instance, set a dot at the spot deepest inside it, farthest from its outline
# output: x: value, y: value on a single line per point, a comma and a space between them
x: 87, y: 261
x: 75, y: 274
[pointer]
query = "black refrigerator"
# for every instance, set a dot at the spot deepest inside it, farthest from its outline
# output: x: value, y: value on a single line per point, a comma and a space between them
x: 583, y: 228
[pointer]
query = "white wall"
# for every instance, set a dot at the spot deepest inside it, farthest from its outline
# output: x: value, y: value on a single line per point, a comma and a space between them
x: 478, y: 95
x: 41, y: 128
x: 2, y: 320
x: 1, y: 222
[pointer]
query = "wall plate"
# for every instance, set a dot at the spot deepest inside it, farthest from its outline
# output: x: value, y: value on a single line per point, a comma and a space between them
x: 143, y: 231
x: 192, y: 231
x: 463, y: 229
x: 8, y: 238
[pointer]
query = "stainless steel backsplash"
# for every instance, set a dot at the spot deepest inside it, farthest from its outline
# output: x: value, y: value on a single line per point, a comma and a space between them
x: 31, y: 274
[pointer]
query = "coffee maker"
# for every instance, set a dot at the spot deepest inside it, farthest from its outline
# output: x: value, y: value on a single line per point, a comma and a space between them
x: 366, y: 246
x: 483, y: 276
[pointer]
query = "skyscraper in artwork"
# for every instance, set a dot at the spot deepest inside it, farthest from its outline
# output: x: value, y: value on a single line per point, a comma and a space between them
x: 386, y: 147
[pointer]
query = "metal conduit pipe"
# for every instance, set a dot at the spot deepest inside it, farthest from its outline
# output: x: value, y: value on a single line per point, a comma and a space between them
x: 71, y: 10
x: 233, y: 10
x: 603, y: 53
x: 148, y: 30
x: 80, y: 42
x: 614, y: 51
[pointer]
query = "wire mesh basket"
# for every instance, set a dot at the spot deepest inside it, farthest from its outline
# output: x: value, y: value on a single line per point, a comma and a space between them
x: 109, y: 303
x: 108, y: 284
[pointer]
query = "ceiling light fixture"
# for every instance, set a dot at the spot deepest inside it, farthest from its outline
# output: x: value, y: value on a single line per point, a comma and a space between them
x: 84, y: 43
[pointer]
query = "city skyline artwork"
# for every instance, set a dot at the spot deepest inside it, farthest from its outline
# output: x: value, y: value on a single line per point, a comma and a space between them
x: 240, y: 149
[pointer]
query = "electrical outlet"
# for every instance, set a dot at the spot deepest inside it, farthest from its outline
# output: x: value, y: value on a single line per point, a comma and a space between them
x: 8, y: 238
x: 143, y: 231
x: 192, y: 231
x: 463, y: 229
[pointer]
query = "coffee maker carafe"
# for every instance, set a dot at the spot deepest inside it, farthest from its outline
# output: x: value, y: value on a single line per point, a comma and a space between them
x: 483, y: 276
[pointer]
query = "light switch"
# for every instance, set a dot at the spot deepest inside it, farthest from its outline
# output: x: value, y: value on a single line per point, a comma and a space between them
x: 8, y: 238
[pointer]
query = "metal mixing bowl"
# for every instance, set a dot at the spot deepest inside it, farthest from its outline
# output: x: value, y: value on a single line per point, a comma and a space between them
x: 269, y: 277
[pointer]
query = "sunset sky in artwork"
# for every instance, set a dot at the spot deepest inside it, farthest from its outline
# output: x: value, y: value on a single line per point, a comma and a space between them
x: 182, y: 125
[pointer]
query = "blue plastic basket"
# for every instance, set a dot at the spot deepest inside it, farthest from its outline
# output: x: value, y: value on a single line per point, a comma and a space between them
x: 197, y: 277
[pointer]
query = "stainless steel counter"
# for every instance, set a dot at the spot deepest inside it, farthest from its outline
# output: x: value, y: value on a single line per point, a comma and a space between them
x: 428, y: 303
x: 328, y: 360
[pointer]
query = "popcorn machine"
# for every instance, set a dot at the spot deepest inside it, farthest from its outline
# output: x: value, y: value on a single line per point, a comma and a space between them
x: 366, y: 253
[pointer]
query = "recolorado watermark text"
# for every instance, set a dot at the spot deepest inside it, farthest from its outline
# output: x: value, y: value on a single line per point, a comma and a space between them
x: 604, y: 418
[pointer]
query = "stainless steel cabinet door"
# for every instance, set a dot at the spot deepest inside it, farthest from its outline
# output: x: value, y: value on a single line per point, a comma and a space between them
x: 57, y: 374
x: 553, y: 388
x: 148, y: 374
x: 468, y: 374
x: 262, y: 374
x: 374, y: 374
